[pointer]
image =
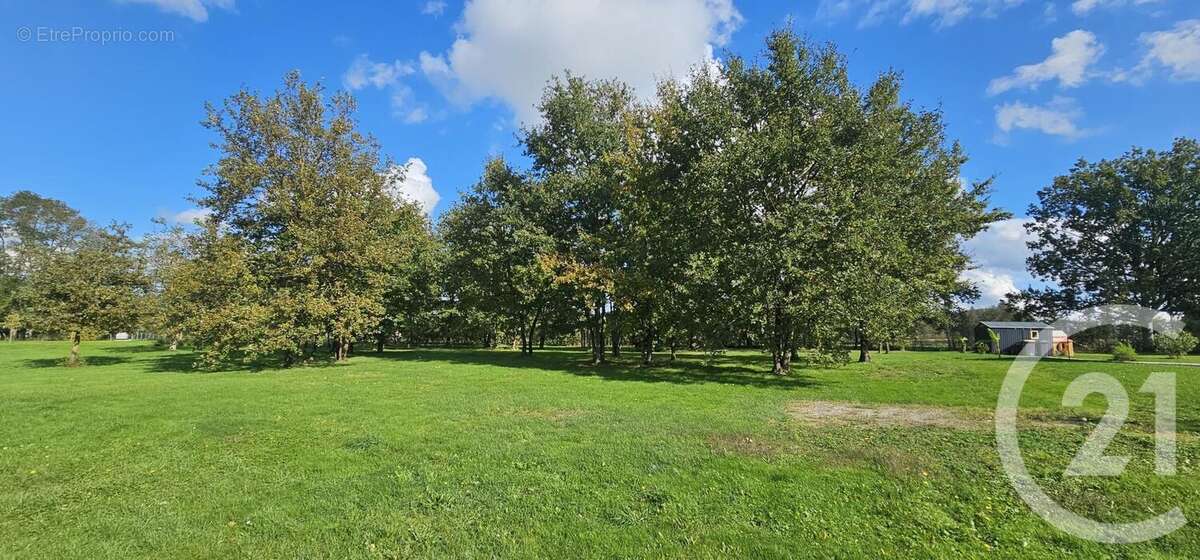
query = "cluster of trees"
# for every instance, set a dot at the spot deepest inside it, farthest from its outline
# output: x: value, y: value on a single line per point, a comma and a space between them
x: 1119, y: 231
x: 776, y: 205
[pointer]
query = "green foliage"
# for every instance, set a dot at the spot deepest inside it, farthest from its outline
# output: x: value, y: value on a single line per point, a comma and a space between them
x: 31, y: 229
x: 995, y: 339
x: 500, y: 258
x: 1175, y: 345
x: 1119, y: 231
x: 304, y: 242
x: 96, y: 288
x: 1124, y: 352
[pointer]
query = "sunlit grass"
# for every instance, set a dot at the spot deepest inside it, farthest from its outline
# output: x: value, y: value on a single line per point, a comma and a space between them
x: 473, y: 453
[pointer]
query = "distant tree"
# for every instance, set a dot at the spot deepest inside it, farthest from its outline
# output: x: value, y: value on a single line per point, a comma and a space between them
x: 415, y: 285
x: 166, y: 253
x: 95, y: 288
x: 1120, y: 231
x: 1176, y: 344
x: 500, y: 258
x: 12, y: 322
x: 572, y: 151
x: 31, y: 227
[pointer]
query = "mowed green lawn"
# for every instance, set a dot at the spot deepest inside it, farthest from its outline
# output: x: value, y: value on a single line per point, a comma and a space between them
x: 471, y: 453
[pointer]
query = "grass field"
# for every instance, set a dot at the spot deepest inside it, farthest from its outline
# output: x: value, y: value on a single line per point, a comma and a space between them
x: 461, y: 453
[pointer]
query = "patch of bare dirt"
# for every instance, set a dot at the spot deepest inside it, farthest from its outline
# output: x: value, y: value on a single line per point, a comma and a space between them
x: 832, y: 413
x: 835, y: 413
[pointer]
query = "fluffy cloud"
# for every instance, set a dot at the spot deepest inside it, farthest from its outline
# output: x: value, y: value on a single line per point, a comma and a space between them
x: 1070, y: 57
x: 944, y: 13
x: 185, y: 217
x: 999, y: 255
x: 1056, y: 119
x: 508, y: 49
x: 1081, y: 7
x: 411, y: 182
x: 433, y: 8
x: 196, y: 10
x: 1177, y: 49
x: 363, y: 72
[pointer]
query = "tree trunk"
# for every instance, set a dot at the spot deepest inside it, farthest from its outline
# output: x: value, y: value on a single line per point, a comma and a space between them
x: 615, y: 330
x: 782, y: 361
x: 597, y: 335
x: 864, y: 350
x: 380, y: 339
x: 73, y: 360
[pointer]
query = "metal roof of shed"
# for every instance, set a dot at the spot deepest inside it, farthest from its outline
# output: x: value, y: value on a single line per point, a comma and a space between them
x: 1014, y: 325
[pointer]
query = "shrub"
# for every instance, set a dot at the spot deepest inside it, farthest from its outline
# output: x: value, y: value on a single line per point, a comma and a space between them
x: 1123, y: 352
x: 1175, y: 345
x: 995, y: 336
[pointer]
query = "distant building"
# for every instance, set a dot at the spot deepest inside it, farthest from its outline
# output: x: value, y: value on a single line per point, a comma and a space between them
x: 1014, y: 335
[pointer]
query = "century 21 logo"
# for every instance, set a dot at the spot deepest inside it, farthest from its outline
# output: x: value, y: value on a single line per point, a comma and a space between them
x: 1091, y: 460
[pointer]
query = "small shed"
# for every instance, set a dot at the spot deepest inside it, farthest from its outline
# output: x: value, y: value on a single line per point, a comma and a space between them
x: 1014, y: 335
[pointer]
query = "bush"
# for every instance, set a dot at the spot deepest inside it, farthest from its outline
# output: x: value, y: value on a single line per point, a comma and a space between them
x: 1175, y: 345
x: 982, y: 348
x: 1123, y: 352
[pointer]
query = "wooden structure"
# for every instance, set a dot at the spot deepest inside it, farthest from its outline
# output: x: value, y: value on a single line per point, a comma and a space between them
x: 1018, y: 337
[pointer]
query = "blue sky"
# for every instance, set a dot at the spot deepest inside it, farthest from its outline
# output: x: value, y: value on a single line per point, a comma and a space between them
x: 104, y: 98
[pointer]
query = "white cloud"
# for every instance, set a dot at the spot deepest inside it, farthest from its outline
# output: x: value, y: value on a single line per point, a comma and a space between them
x: 415, y: 115
x: 411, y: 182
x: 196, y: 10
x: 999, y: 254
x: 363, y: 72
x: 944, y: 13
x: 1177, y: 49
x: 508, y: 49
x: 186, y: 217
x: 1081, y: 7
x: 1070, y: 57
x: 993, y: 285
x: 1056, y: 119
x: 433, y: 8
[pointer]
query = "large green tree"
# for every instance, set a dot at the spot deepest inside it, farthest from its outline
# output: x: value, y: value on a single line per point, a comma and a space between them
x: 93, y: 289
x: 1120, y: 231
x: 846, y: 203
x: 500, y: 258
x: 31, y: 228
x: 575, y: 151
x: 302, y: 195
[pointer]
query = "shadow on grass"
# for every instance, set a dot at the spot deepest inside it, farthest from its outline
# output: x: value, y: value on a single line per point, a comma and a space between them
x: 737, y: 370
x: 87, y: 361
x: 134, y: 348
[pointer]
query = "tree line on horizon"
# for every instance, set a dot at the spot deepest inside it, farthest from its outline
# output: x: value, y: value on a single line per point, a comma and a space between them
x: 775, y: 205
